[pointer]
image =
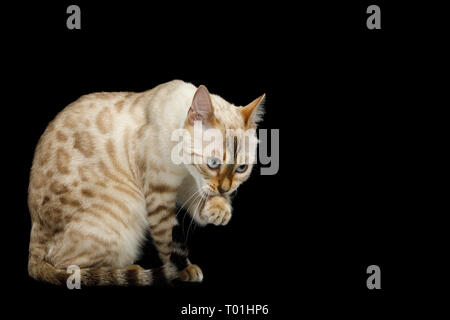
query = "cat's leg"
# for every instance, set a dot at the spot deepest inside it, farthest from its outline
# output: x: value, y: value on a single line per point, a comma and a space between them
x: 216, y: 210
x: 191, y: 273
x: 188, y: 197
x: 83, y: 245
x: 188, y: 271
x: 163, y: 224
x: 165, y: 232
x: 161, y: 221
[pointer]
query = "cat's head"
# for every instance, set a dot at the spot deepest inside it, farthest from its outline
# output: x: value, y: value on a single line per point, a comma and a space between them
x: 225, y: 151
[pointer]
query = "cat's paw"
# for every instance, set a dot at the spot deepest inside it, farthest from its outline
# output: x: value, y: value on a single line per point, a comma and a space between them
x: 191, y: 273
x: 217, y: 210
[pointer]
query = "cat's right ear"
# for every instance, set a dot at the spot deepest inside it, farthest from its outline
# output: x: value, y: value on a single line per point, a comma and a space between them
x: 201, y: 108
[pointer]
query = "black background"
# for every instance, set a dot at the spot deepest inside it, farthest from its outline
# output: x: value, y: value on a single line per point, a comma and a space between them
x: 299, y: 241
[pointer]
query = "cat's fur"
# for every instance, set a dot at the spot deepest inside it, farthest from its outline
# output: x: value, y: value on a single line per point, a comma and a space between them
x: 102, y: 175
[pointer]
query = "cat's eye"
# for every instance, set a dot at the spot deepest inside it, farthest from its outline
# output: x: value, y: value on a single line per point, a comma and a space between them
x: 213, y: 162
x: 241, y: 168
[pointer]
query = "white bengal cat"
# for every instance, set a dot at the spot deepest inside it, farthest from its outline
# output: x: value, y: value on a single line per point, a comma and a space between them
x: 103, y: 175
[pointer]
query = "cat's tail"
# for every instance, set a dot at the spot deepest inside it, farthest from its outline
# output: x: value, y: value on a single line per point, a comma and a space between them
x: 103, y: 276
x: 41, y: 270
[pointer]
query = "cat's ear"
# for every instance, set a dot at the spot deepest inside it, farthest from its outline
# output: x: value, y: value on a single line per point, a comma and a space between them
x: 253, y: 112
x: 201, y: 108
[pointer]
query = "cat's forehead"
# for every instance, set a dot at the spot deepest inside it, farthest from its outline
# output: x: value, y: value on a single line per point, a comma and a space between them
x: 227, y: 114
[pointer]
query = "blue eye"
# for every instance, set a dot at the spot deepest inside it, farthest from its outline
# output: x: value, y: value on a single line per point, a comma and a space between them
x: 241, y: 168
x: 213, y: 163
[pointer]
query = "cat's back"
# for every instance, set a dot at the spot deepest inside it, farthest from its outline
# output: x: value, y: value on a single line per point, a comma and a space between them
x: 97, y: 129
x: 77, y: 139
x: 80, y: 124
x: 106, y: 110
x: 95, y: 111
x: 98, y: 117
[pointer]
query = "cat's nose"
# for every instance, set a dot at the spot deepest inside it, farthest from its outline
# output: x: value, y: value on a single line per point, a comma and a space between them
x: 223, y: 189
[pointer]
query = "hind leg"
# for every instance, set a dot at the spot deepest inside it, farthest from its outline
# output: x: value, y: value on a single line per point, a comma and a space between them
x: 84, y: 246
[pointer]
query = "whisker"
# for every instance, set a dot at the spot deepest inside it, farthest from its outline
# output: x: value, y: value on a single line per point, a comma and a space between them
x: 190, y: 224
x: 195, y: 195
x: 192, y: 210
x: 196, y: 212
x: 182, y: 206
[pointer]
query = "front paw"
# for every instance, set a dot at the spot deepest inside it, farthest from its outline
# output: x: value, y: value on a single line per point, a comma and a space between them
x: 217, y: 210
x: 191, y: 273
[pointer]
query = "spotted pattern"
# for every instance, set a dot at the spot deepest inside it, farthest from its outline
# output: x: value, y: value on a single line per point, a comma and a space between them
x: 99, y: 181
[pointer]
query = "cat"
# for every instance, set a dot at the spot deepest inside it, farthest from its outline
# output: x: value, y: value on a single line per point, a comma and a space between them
x: 102, y: 175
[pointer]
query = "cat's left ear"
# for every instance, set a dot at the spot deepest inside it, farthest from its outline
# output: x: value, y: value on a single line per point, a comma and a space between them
x: 253, y: 112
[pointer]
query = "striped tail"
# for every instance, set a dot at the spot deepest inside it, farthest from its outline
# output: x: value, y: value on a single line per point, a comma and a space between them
x: 128, y: 276
x: 104, y: 276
